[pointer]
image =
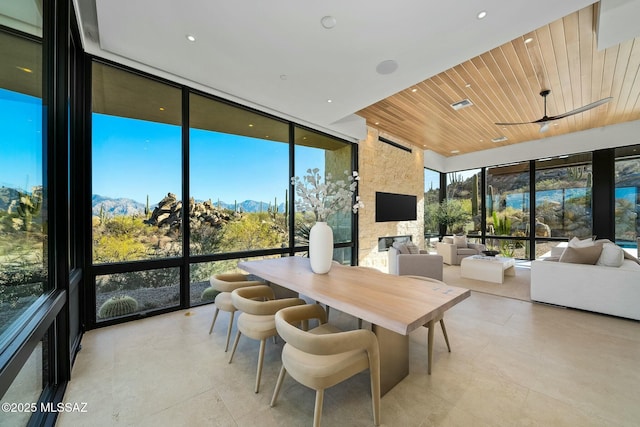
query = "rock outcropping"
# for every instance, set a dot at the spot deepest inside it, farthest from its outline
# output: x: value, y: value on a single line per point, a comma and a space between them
x: 168, y: 213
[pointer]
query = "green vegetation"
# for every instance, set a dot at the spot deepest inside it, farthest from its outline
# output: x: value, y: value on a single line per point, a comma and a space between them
x: 453, y: 214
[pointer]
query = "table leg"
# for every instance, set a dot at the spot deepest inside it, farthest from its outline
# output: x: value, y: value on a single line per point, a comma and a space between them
x: 431, y: 325
x: 394, y: 357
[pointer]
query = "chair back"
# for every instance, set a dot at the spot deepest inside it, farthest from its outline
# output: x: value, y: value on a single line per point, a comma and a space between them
x: 260, y: 300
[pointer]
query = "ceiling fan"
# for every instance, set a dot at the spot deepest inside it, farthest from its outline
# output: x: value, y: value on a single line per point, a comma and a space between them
x: 544, y: 121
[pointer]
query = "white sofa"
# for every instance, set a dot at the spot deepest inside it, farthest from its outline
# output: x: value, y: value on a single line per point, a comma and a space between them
x: 598, y: 288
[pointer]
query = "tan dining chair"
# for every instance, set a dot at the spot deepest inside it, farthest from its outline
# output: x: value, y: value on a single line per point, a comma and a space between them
x: 258, y: 306
x: 325, y: 356
x: 430, y: 334
x: 225, y: 284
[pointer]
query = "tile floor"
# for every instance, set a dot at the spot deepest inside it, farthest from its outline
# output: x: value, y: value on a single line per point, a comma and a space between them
x: 513, y: 363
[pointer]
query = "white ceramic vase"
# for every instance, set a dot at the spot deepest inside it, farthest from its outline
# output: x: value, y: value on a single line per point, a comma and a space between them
x: 321, y: 247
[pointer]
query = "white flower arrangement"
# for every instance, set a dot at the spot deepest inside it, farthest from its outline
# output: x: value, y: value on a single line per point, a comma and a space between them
x: 324, y: 199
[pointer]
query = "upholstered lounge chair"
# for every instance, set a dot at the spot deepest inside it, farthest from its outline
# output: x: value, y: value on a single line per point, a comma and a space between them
x: 420, y: 264
x: 325, y: 356
x: 454, y: 248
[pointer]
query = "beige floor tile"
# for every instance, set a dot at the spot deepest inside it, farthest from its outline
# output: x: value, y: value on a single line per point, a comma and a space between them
x: 512, y: 363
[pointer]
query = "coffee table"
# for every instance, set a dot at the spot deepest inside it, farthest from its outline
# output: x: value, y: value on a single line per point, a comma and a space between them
x: 487, y: 268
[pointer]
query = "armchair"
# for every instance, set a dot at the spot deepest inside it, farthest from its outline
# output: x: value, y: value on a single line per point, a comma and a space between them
x: 454, y: 248
x: 418, y: 264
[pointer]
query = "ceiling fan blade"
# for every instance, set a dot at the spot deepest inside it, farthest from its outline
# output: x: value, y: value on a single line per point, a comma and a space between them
x: 581, y: 109
x: 544, y: 126
x: 511, y: 124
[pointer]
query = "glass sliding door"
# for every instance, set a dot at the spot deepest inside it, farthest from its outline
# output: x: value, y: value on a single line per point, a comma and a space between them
x: 431, y: 204
x: 460, y: 212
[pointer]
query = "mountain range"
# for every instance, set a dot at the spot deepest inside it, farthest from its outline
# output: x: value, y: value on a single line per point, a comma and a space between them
x: 124, y: 206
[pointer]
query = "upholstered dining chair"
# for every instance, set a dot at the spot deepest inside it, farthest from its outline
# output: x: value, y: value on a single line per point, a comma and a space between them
x: 325, y: 356
x: 258, y: 306
x: 431, y: 331
x: 225, y: 284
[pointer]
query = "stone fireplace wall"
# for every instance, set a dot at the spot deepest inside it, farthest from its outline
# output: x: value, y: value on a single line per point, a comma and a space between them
x: 385, y: 168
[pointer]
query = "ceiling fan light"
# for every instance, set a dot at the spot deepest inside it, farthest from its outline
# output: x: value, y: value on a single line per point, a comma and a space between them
x: 544, y: 127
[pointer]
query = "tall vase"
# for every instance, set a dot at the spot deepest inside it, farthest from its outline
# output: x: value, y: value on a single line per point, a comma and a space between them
x: 321, y: 247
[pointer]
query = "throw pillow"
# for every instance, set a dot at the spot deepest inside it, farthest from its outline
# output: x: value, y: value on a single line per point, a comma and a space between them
x: 587, y: 255
x: 412, y: 248
x: 447, y: 239
x: 401, y: 247
x: 577, y: 243
x: 460, y: 241
x: 612, y: 255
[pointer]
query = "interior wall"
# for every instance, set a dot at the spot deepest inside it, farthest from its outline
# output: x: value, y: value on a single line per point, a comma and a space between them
x: 386, y: 168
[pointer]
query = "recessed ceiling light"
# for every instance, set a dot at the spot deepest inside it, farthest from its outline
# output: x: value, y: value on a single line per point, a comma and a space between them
x: 328, y: 22
x: 161, y: 108
x: 191, y: 38
x: 414, y: 90
x: 528, y: 40
x: 455, y: 151
x: 387, y: 67
x: 467, y: 85
x: 482, y: 15
x: 283, y: 77
x: 329, y: 100
x: 376, y: 123
x: 250, y: 125
x: 26, y: 70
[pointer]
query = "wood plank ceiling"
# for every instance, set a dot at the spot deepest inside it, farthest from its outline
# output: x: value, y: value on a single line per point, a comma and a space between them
x: 504, y: 85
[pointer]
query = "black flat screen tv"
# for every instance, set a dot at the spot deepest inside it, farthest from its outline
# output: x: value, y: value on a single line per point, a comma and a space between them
x: 396, y: 207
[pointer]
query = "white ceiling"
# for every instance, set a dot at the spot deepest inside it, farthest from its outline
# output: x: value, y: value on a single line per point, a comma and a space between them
x: 275, y: 54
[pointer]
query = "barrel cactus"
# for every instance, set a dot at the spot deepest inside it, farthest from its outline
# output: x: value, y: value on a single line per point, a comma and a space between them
x: 209, y: 294
x: 118, y: 306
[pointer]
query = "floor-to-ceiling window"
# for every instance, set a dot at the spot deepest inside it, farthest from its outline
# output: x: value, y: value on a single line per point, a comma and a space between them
x: 563, y: 200
x: 431, y: 204
x: 331, y: 159
x: 507, y: 209
x: 34, y: 242
x: 462, y: 208
x: 238, y: 186
x: 136, y: 197
x: 23, y: 209
x: 627, y: 197
x: 185, y: 185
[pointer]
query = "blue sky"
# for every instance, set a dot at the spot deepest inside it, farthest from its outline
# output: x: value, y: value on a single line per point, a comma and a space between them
x: 135, y: 158
x: 20, y: 140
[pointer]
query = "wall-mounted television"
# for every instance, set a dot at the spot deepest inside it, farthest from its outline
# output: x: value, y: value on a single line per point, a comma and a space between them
x: 396, y: 207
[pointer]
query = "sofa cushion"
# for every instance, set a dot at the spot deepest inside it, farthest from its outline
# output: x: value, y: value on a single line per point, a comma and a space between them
x: 460, y: 241
x: 612, y: 255
x: 400, y: 247
x: 412, y: 248
x: 577, y: 243
x: 586, y: 255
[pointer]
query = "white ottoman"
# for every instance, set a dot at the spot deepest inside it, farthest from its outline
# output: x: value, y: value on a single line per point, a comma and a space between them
x: 489, y: 269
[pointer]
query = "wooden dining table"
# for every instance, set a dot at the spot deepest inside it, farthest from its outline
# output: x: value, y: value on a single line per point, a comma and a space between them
x: 394, y: 305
